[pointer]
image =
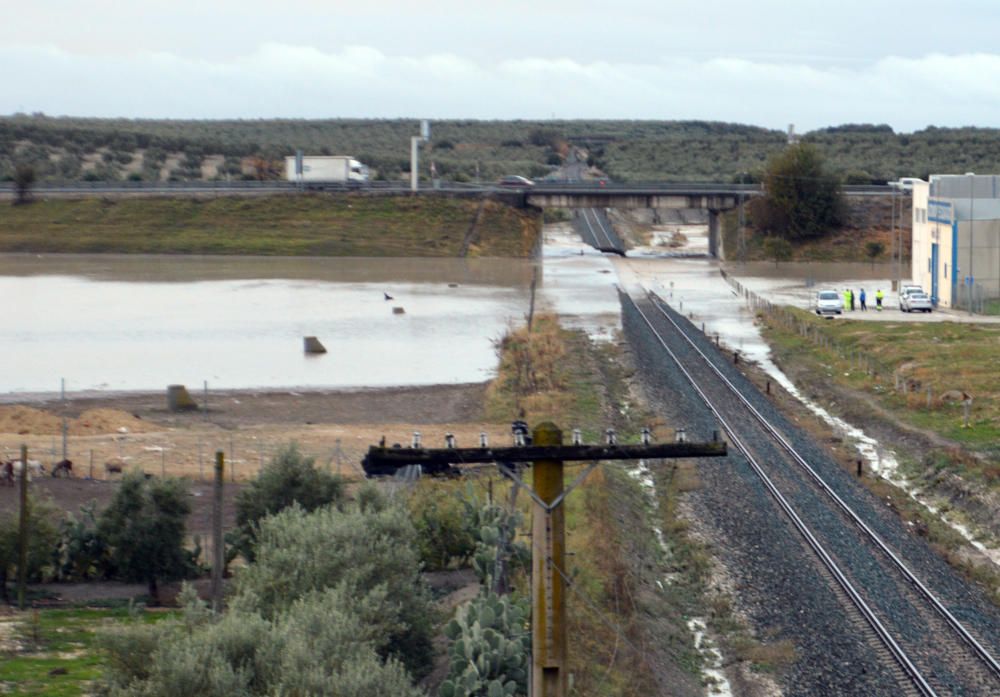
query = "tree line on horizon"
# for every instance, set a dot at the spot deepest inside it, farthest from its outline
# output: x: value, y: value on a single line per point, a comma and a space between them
x: 75, y: 148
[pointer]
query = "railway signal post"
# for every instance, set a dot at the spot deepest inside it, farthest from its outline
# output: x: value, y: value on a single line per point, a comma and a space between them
x: 549, y: 675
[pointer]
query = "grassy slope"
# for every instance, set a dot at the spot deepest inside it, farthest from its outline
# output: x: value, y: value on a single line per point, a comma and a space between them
x: 292, y: 225
x: 941, y: 356
x: 54, y: 641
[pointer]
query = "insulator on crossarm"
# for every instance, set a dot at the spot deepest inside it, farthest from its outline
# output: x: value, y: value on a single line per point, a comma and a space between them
x: 518, y: 438
x: 680, y: 436
x: 611, y: 437
x: 483, y: 442
x: 646, y: 436
x: 577, y: 437
x: 416, y: 439
x: 449, y: 440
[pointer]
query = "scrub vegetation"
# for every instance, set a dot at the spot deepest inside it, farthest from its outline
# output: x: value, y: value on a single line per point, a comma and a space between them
x: 70, y: 148
x: 289, y: 225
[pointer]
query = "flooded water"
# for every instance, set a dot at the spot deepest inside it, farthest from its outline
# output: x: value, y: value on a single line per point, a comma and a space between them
x: 121, y: 323
x: 140, y: 323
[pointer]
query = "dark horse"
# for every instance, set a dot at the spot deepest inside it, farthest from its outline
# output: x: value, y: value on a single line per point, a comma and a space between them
x: 63, y: 466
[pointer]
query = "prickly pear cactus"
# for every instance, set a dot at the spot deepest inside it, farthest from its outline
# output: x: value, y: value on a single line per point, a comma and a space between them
x: 490, y: 649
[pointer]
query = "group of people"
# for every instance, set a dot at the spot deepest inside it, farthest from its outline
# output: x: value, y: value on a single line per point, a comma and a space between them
x: 863, y: 298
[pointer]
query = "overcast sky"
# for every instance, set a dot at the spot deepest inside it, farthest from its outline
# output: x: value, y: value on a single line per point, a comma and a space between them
x: 765, y: 62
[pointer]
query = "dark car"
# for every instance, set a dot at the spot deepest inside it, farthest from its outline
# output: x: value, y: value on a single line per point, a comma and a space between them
x: 515, y: 180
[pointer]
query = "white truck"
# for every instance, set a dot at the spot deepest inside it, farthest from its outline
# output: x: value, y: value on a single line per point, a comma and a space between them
x: 326, y: 169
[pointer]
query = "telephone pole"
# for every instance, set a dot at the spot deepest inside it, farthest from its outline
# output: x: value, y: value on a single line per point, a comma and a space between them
x: 549, y: 668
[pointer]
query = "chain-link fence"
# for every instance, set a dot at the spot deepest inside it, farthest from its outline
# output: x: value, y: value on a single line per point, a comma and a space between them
x: 977, y: 299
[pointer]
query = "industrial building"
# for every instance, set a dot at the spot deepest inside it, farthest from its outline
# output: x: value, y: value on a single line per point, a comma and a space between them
x: 956, y: 239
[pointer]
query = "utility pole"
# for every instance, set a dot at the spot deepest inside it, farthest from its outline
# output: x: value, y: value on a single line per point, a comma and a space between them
x: 415, y: 142
x: 549, y: 670
x: 549, y: 673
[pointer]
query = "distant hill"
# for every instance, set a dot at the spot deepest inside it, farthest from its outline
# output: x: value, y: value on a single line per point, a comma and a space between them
x: 69, y: 148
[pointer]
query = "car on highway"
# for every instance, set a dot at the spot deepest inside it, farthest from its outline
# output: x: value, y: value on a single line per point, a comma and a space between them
x: 829, y: 302
x: 514, y: 180
x: 916, y: 301
x: 906, y: 183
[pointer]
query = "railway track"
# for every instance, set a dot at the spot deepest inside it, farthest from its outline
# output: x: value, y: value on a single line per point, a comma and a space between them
x: 598, y: 233
x: 933, y: 653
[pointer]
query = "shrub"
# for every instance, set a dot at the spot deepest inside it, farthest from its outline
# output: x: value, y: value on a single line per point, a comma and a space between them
x: 321, y: 645
x: 366, y: 548
x: 289, y: 478
x: 443, y: 533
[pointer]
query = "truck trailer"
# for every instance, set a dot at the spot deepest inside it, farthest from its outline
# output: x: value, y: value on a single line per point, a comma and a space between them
x: 327, y: 169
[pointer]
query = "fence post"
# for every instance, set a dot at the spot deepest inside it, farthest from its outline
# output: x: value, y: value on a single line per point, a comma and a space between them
x: 22, y: 532
x: 218, y: 552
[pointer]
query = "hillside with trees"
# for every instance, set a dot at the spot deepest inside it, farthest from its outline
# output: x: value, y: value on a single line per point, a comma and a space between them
x: 76, y: 149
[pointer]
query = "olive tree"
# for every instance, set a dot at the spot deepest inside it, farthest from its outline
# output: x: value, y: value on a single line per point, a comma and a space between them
x: 289, y: 478
x: 333, y: 604
x: 368, y: 546
x: 43, y: 535
x: 801, y: 199
x: 144, y: 530
x: 24, y: 178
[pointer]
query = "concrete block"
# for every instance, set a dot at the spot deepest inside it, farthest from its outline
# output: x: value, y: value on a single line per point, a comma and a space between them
x: 313, y: 345
x: 179, y: 399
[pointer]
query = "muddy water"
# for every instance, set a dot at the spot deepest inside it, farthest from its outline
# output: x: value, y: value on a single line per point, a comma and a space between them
x: 126, y: 322
x: 138, y: 323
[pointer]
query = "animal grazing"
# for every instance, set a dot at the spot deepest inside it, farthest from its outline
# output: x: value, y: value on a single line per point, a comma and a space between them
x: 63, y: 467
x: 11, y: 470
x: 113, y: 467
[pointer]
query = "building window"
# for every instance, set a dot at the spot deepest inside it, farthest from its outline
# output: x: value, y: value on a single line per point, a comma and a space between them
x: 946, y: 271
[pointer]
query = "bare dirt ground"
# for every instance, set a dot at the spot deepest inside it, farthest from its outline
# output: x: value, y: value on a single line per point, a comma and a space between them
x: 138, y: 430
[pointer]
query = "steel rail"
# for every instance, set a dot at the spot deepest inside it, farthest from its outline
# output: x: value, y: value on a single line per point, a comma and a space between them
x: 611, y: 244
x: 898, y: 653
x: 938, y: 606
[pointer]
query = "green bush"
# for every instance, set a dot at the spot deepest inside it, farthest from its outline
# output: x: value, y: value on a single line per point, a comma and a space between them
x: 289, y: 478
x: 443, y: 533
x: 43, y: 536
x: 367, y: 547
x: 333, y: 605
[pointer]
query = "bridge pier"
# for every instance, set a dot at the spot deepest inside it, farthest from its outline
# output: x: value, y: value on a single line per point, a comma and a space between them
x: 715, y: 247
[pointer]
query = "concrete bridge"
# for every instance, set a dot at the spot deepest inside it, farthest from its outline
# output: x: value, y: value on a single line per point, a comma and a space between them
x: 715, y: 198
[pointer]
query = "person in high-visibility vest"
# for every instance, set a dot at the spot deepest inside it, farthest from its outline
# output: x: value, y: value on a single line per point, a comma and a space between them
x: 878, y: 299
x: 847, y: 300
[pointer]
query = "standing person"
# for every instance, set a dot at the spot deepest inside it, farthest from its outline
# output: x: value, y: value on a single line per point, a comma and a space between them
x: 878, y: 300
x: 864, y: 307
x: 847, y: 300
x: 851, y: 294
